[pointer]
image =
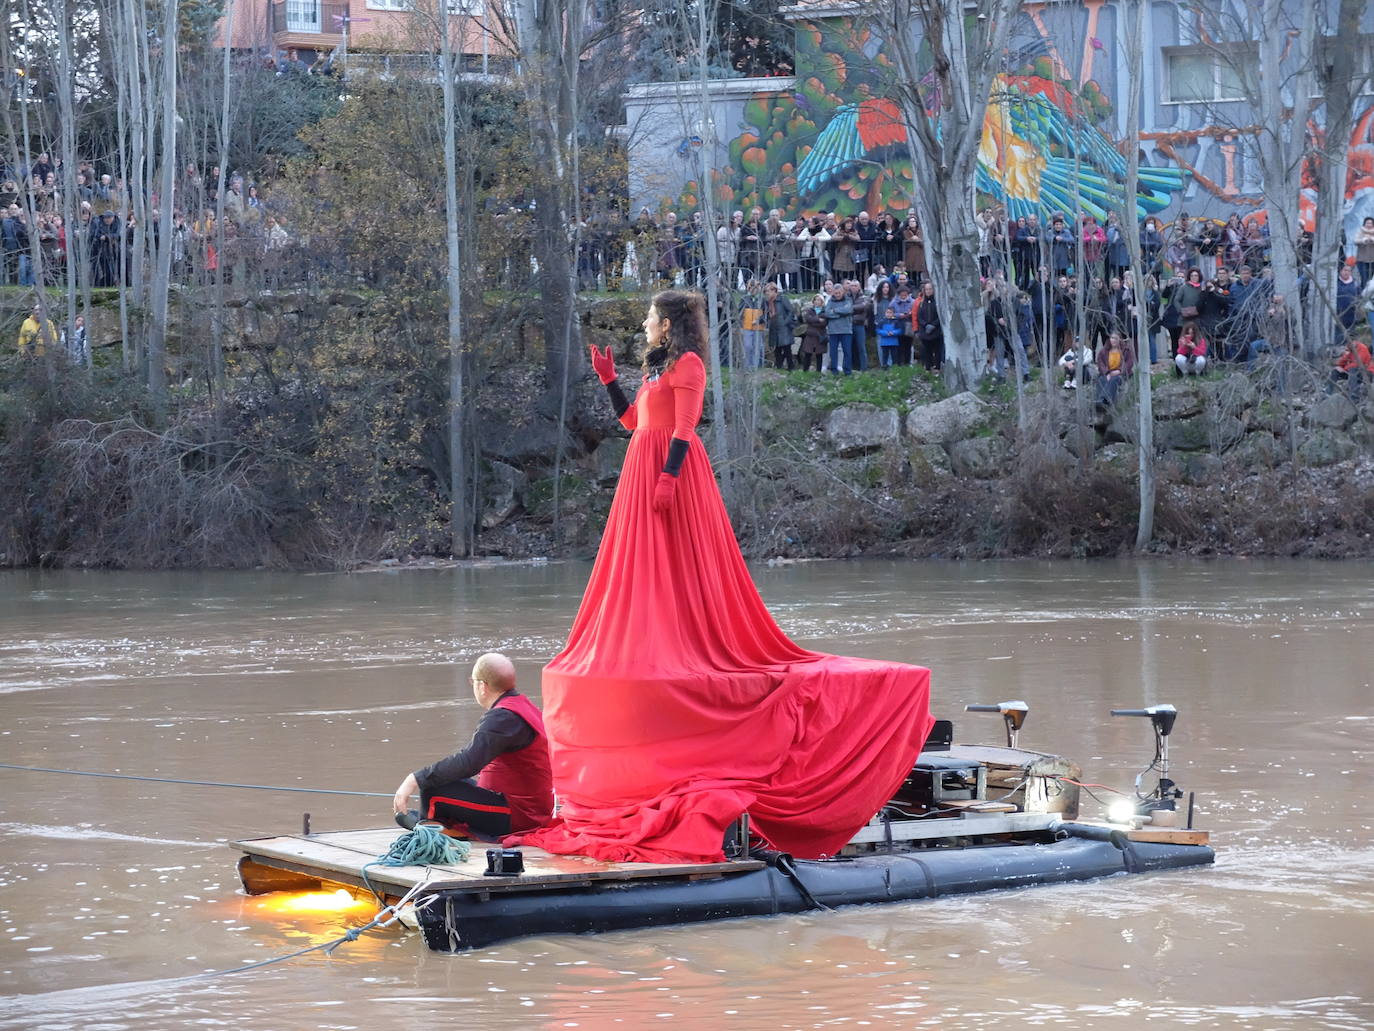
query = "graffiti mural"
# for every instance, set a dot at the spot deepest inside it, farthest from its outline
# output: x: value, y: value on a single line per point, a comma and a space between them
x: 836, y: 142
x: 831, y: 138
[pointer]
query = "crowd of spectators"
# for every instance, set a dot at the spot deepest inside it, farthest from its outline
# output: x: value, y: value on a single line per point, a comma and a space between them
x: 102, y: 235
x: 846, y: 294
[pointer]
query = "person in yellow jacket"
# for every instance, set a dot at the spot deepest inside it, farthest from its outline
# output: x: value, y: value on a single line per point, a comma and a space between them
x: 36, y: 335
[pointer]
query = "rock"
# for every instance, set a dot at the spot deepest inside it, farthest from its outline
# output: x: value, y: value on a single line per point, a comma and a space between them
x: 858, y: 429
x: 788, y: 416
x: 1200, y: 469
x: 532, y: 440
x: 1199, y: 433
x: 945, y: 421
x: 1259, y: 450
x: 863, y: 471
x: 604, y: 464
x: 1232, y: 395
x: 1120, y: 458
x: 502, y: 493
x: 1179, y: 399
x: 1123, y: 425
x: 1169, y: 467
x: 1270, y: 414
x: 982, y: 458
x: 1334, y: 411
x: 1227, y: 431
x: 929, y: 462
x: 1326, y: 447
x: 1077, y: 440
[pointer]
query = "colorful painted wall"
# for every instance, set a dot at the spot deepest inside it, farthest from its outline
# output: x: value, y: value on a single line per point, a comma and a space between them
x: 829, y: 140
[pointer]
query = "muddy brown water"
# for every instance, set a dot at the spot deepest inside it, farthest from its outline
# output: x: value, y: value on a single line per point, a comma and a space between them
x: 113, y: 892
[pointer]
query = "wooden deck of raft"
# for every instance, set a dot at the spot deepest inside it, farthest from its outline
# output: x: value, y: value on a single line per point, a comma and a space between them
x: 291, y: 862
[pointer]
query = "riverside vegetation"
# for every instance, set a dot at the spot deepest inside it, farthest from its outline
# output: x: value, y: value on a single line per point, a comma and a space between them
x: 320, y: 456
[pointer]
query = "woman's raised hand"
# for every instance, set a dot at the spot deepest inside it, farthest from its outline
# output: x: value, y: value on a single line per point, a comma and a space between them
x: 603, y: 364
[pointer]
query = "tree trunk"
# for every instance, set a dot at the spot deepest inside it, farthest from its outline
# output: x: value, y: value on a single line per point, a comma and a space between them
x: 460, y: 525
x: 706, y: 18
x: 70, y: 217
x: 217, y: 317
x: 550, y: 50
x: 1130, y: 224
x: 1340, y: 82
x: 157, y: 336
x: 1285, y: 62
x: 944, y: 130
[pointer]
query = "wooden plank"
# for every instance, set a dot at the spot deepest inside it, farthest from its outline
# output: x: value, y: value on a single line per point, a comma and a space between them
x: 1158, y: 835
x: 380, y: 879
x: 341, y: 855
x: 975, y: 805
x: 960, y: 826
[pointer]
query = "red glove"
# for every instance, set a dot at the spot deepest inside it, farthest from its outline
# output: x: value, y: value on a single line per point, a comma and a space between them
x: 603, y: 364
x: 664, y: 491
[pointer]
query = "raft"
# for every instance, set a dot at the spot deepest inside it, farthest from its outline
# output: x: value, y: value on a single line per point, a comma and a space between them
x: 969, y: 819
x: 458, y: 920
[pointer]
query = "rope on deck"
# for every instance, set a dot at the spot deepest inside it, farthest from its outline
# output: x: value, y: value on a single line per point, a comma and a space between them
x: 426, y: 845
x: 195, y: 783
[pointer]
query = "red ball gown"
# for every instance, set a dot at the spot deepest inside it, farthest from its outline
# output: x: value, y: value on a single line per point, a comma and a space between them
x: 679, y: 704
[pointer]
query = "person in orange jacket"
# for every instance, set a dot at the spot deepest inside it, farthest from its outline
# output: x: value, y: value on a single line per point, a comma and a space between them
x: 1354, y: 366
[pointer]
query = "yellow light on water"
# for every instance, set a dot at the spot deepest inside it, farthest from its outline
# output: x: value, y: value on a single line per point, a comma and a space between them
x: 315, y: 902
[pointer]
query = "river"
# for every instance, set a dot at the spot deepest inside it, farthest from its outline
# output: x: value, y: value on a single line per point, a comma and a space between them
x: 114, y: 891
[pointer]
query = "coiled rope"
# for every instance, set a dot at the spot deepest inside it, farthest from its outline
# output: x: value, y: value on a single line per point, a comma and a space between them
x: 426, y: 845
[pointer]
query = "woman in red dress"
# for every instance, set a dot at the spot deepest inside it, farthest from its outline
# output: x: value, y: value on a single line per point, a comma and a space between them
x: 678, y: 703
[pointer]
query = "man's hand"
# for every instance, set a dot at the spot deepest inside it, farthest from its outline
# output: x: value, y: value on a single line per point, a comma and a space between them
x: 408, y: 787
x: 603, y: 364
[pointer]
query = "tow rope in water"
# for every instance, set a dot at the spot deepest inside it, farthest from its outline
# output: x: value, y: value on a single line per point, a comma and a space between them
x: 195, y: 783
x: 426, y: 845
x: 385, y: 917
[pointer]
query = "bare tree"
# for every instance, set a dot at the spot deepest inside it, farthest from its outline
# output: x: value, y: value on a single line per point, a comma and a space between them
x: 157, y: 328
x: 1266, y: 57
x: 551, y: 42
x: 1130, y: 224
x: 460, y: 525
x: 1341, y: 77
x: 946, y: 77
x: 76, y: 262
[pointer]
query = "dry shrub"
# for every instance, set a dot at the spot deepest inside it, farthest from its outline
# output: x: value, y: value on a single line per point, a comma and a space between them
x: 1053, y: 509
x: 119, y: 494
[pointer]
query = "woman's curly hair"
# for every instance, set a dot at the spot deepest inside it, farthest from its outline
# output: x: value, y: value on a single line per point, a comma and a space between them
x: 688, y: 331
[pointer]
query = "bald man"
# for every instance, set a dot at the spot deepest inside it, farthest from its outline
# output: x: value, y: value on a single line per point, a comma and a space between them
x: 499, y: 783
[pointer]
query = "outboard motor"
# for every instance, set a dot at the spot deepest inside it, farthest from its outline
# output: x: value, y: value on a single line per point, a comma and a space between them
x: 1013, y: 713
x: 1166, y: 792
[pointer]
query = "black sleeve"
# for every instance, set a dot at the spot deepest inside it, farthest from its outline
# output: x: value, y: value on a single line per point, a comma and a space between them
x: 677, y: 452
x: 498, y: 732
x: 618, y: 399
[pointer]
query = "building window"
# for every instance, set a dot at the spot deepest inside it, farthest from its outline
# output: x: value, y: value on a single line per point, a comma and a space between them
x: 1202, y: 75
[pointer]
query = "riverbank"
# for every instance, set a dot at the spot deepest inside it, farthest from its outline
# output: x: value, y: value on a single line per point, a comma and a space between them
x: 886, y: 464
x: 343, y: 463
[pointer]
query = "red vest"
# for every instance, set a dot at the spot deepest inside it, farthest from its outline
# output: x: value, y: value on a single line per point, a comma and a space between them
x: 523, y: 776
